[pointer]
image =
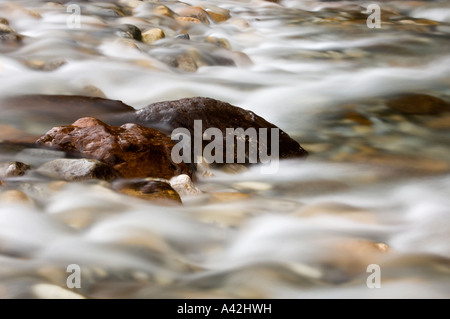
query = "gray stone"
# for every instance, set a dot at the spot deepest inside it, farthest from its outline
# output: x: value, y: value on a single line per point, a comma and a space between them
x: 184, y: 186
x: 77, y: 170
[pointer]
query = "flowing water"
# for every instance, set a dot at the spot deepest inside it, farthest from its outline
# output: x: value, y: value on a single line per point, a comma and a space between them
x: 374, y: 190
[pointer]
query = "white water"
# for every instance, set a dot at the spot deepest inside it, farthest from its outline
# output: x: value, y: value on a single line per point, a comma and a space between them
x: 307, y: 232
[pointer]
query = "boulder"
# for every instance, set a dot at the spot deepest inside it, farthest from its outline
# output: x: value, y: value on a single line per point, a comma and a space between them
x: 170, y: 115
x: 132, y: 150
x: 420, y: 104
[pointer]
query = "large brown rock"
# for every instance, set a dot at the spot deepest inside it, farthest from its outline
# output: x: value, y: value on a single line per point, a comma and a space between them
x: 132, y: 150
x: 169, y: 115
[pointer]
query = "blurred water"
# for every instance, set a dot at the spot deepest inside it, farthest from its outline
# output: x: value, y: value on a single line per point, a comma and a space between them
x: 309, y: 231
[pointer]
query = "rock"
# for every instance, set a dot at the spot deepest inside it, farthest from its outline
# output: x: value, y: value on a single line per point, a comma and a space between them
x: 45, y: 66
x: 226, y: 197
x: 129, y: 31
x: 194, y: 13
x: 93, y: 91
x: 357, y: 117
x: 132, y: 150
x: 218, y: 16
x: 170, y: 115
x: 13, y: 169
x: 48, y: 291
x: 440, y: 123
x: 420, y: 104
x: 45, y: 111
x: 15, y: 197
x: 78, y: 170
x: 163, y: 10
x: 8, y: 35
x: 184, y: 36
x: 152, y: 35
x: 220, y: 42
x: 188, y: 20
x: 9, y: 133
x: 153, y: 190
x: 185, y: 62
x: 184, y: 186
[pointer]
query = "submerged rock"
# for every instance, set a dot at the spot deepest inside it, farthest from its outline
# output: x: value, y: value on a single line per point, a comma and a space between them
x: 184, y: 186
x: 152, y: 35
x: 15, y: 197
x: 78, y: 169
x: 419, y: 104
x: 170, y: 115
x: 13, y: 169
x: 129, y: 31
x: 133, y: 150
x: 157, y: 191
x: 8, y: 35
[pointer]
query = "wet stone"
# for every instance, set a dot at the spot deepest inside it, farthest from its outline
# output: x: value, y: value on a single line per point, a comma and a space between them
x: 152, y: 35
x: 420, y: 104
x: 129, y: 31
x: 184, y: 186
x: 194, y: 13
x: 184, y: 36
x: 8, y: 35
x: 132, y: 150
x: 15, y: 197
x: 182, y: 113
x: 13, y: 169
x: 78, y: 170
x: 153, y: 190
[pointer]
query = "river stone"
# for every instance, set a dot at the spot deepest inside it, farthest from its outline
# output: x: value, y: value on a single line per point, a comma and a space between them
x: 171, y: 115
x: 13, y: 169
x: 77, y: 169
x: 193, y: 12
x: 184, y: 186
x: 154, y: 190
x: 152, y: 35
x: 421, y: 104
x: 129, y: 31
x: 132, y: 150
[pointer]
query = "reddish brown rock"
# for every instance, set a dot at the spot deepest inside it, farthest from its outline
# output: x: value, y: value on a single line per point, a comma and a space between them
x: 132, y: 150
x: 419, y: 104
x: 170, y: 115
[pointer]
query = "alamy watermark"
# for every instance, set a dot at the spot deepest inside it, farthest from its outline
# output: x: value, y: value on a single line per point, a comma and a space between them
x: 240, y: 146
x: 374, y: 19
x: 74, y: 279
x: 374, y: 279
x: 73, y: 21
